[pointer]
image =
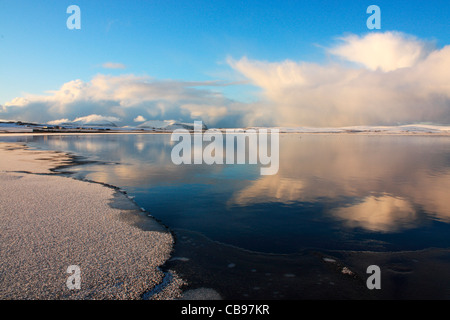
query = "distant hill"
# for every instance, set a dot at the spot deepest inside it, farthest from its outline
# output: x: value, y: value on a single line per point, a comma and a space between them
x: 168, y: 125
x: 89, y: 124
x: 85, y: 124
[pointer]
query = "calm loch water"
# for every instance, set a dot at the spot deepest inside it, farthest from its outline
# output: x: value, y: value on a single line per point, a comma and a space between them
x: 332, y: 192
x: 361, y: 192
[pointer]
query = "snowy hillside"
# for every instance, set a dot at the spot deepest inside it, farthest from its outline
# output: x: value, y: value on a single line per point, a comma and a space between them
x: 168, y: 125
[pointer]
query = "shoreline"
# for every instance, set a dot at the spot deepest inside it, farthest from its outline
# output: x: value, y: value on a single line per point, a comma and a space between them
x: 223, y: 131
x: 282, y: 131
x: 49, y: 223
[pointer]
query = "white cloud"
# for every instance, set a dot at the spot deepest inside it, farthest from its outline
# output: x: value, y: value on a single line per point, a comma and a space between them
x: 58, y: 122
x: 385, y: 51
x: 123, y: 97
x: 209, y: 113
x: 139, y: 119
x: 416, y: 89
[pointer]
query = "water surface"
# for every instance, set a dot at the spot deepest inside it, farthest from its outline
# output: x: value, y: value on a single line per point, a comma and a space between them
x: 360, y: 192
x: 332, y: 192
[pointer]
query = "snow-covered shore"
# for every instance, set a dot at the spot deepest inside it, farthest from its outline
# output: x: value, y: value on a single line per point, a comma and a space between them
x: 49, y: 222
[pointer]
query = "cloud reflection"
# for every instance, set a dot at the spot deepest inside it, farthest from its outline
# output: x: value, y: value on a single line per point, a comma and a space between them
x: 405, y: 173
x: 382, y: 214
x: 269, y: 189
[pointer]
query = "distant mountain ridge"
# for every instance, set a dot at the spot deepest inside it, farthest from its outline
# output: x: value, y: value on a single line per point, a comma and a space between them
x: 87, y: 123
x: 169, y: 125
x: 93, y: 124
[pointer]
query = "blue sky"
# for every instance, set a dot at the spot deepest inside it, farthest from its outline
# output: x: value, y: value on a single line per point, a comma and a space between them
x: 187, y: 40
